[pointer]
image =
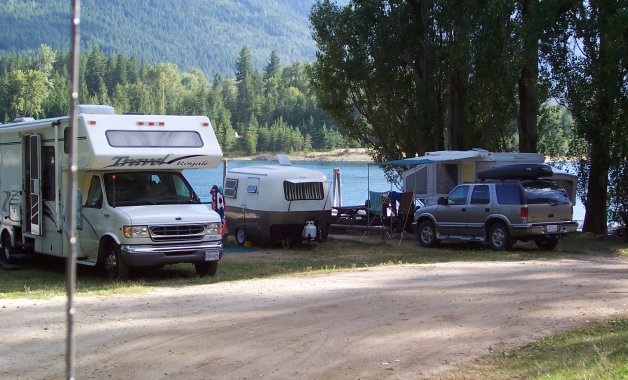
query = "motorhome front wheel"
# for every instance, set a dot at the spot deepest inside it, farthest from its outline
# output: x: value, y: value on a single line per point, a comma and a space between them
x: 7, y: 249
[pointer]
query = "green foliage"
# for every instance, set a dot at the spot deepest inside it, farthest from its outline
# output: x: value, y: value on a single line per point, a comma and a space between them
x: 284, y: 119
x: 586, y: 50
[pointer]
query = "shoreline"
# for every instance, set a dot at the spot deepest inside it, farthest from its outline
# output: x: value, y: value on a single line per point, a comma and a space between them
x: 346, y: 155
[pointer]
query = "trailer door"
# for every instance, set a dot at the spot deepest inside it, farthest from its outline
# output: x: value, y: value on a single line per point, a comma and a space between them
x: 34, y: 164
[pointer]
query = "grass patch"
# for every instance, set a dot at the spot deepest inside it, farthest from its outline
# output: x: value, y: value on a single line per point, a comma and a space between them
x: 599, y: 351
x: 44, y: 277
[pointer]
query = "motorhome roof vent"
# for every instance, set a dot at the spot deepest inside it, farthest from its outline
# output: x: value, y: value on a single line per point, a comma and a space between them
x: 23, y: 119
x: 96, y: 109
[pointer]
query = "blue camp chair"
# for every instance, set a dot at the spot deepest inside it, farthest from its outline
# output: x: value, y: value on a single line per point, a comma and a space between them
x: 377, y: 207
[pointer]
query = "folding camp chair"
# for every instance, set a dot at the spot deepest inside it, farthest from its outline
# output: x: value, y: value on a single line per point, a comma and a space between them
x: 377, y: 212
x: 405, y: 214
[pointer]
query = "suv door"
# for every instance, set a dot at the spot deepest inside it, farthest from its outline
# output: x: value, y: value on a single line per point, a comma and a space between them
x: 478, y: 209
x: 451, y: 218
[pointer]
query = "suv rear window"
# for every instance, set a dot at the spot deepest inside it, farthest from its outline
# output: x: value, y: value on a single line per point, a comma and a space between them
x: 539, y: 192
x: 508, y: 193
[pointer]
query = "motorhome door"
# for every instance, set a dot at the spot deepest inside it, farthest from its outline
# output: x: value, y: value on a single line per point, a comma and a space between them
x: 32, y: 174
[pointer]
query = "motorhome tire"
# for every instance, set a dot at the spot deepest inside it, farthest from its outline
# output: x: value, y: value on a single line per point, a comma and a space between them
x: 427, y: 234
x: 547, y: 243
x: 206, y: 268
x: 240, y: 236
x: 499, y: 237
x: 113, y: 266
x: 7, y: 248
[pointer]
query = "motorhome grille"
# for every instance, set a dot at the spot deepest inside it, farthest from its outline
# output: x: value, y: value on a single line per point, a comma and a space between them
x: 303, y: 191
x: 177, y: 232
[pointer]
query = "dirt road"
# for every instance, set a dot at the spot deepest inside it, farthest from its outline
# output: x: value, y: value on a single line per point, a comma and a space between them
x: 401, y: 322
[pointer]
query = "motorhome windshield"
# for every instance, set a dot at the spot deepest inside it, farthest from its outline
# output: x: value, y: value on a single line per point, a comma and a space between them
x: 148, y: 188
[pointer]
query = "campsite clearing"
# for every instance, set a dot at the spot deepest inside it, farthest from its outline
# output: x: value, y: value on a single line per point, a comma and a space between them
x: 397, y: 322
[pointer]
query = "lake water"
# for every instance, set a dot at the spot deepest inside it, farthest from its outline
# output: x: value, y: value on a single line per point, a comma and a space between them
x: 356, y: 177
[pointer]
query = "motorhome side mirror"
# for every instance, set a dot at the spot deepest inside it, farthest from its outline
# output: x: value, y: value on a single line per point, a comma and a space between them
x: 67, y: 140
x: 442, y: 201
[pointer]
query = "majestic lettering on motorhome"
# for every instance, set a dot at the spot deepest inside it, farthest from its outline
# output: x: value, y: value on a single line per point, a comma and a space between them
x: 122, y: 161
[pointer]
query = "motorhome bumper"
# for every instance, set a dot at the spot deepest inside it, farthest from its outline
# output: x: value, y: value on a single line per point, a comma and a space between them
x: 156, y: 255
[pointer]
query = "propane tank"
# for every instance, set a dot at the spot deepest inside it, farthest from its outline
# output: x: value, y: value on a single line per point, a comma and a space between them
x: 309, y: 231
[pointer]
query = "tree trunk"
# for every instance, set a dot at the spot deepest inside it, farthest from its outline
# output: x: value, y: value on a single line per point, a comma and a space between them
x: 595, y: 216
x: 457, y: 105
x: 528, y: 99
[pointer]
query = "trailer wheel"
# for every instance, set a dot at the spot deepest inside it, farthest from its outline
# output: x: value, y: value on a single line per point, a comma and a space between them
x: 206, y: 268
x: 113, y: 266
x: 240, y: 236
x: 7, y: 248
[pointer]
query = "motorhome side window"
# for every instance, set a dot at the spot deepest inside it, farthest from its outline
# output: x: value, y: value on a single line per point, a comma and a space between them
x: 94, y: 195
x: 231, y: 188
x: 303, y: 191
x: 154, y: 139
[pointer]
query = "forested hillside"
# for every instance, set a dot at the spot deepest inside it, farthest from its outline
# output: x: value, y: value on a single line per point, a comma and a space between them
x: 204, y: 34
x: 273, y: 109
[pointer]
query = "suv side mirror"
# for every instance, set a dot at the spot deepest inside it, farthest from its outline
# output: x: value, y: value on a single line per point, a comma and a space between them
x: 442, y: 201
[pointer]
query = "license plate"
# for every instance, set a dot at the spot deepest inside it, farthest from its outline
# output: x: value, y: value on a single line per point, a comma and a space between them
x: 212, y: 255
x: 552, y: 228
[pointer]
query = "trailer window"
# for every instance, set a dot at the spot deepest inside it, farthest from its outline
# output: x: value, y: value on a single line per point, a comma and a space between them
x: 303, y: 191
x: 231, y: 188
x: 446, y: 177
x: 154, y: 139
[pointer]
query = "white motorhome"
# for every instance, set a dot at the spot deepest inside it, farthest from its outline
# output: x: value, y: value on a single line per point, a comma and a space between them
x: 136, y: 207
x: 436, y: 173
x: 274, y: 202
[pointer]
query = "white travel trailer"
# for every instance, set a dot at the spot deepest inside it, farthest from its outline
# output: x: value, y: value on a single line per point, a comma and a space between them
x: 274, y: 202
x: 136, y: 207
x: 436, y: 173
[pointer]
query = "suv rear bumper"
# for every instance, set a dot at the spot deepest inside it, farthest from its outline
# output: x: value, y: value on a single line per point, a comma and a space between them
x: 143, y: 255
x: 543, y: 229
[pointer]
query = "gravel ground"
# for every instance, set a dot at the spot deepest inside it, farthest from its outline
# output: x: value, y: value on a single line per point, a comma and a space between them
x: 396, y: 322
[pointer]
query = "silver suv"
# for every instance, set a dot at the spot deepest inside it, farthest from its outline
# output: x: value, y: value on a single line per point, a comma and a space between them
x: 500, y: 212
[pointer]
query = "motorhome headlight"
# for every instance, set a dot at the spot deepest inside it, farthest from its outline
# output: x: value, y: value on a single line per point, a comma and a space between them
x: 213, y: 229
x: 136, y: 231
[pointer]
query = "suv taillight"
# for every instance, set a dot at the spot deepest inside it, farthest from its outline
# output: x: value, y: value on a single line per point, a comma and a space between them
x: 524, y: 214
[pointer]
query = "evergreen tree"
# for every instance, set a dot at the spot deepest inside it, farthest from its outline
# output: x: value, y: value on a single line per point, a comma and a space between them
x: 95, y: 73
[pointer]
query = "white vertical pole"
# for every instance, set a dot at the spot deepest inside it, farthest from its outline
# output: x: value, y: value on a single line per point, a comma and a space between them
x: 339, y: 188
x: 70, y: 206
x: 333, y: 188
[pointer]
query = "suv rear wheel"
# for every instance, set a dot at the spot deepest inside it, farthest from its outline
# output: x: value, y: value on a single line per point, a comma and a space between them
x: 427, y: 234
x: 499, y: 237
x: 547, y: 243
